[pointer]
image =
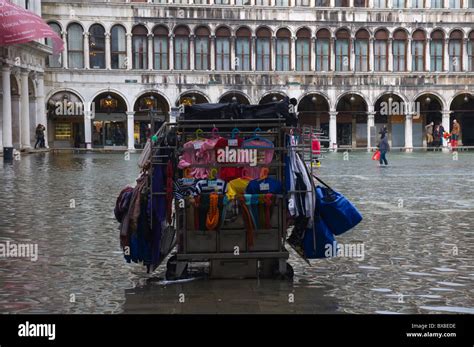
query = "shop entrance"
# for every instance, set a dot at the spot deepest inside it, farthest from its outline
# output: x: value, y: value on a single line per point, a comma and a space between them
x: 108, y: 133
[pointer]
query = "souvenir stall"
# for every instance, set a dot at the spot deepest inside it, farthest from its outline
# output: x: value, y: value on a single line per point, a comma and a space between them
x: 230, y: 185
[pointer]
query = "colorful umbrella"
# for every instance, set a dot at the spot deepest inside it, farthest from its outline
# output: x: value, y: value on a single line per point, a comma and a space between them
x: 18, y: 25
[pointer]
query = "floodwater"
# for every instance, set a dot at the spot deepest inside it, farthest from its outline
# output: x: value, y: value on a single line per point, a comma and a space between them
x: 417, y: 233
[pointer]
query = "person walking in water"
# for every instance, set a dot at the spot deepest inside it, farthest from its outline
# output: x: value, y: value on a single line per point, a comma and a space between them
x: 384, y: 147
x: 455, y: 134
x: 429, y: 134
x: 40, y: 136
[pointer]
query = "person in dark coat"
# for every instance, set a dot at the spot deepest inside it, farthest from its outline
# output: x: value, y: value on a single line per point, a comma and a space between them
x: 384, y: 147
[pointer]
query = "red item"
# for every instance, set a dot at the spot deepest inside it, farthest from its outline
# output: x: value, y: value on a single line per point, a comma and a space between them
x: 315, y: 145
x: 20, y: 26
x: 454, y: 143
x: 376, y: 155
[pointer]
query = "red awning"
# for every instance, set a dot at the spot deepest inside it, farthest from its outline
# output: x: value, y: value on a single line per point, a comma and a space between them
x: 18, y: 25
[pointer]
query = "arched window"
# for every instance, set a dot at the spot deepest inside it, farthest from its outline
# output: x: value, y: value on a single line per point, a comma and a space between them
x: 160, y: 48
x: 263, y: 49
x: 399, y: 50
x: 201, y: 49
x: 454, y: 3
x: 361, y: 49
x: 283, y: 50
x: 342, y: 50
x: 97, y: 47
x: 418, y: 50
x: 242, y: 49
x: 437, y: 3
x: 323, y: 47
x: 436, y: 50
x: 341, y: 3
x: 223, y: 49
x: 181, y: 48
x: 381, y: 50
x: 75, y: 46
x: 455, y: 51
x: 470, y: 51
x: 303, y: 50
x: 140, y: 47
x: 54, y: 60
x: 118, y: 50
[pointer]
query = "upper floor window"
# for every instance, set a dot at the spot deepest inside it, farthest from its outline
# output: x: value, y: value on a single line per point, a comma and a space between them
x: 223, y: 49
x: 418, y: 50
x: 399, y: 4
x: 341, y: 3
x: 262, y: 2
x: 455, y: 51
x: 281, y: 3
x: 182, y: 2
x: 242, y: 49
x: 283, y: 50
x: 75, y: 46
x: 361, y: 50
x: 160, y: 48
x: 242, y: 2
x: 342, y: 48
x: 97, y: 47
x: 454, y: 3
x: 221, y: 2
x: 323, y: 48
x: 54, y: 60
x: 417, y: 3
x: 118, y: 50
x: 470, y: 4
x: 201, y: 49
x: 399, y: 50
x: 263, y: 49
x: 200, y: 2
x: 302, y: 2
x: 181, y: 48
x: 380, y: 3
x: 303, y: 50
x: 437, y: 3
x: 470, y: 51
x: 322, y: 3
x: 436, y: 51
x: 140, y: 47
x: 381, y: 50
x: 360, y: 3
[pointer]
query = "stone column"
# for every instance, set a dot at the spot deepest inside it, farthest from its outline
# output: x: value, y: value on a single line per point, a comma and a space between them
x: 351, y: 54
x: 130, y: 131
x: 371, y: 54
x: 446, y: 124
x: 332, y: 63
x: 446, y: 3
x: 191, y: 52
x: 312, y: 51
x: 108, y: 58
x: 446, y: 55
x: 409, y: 132
x: 273, y: 53
x: 25, y: 112
x: 150, y: 52
x: 390, y: 55
x: 129, y: 51
x: 213, y: 52
x: 86, y: 51
x: 171, y: 52
x: 232, y: 54
x: 332, y: 3
x: 6, y: 108
x: 333, y: 130
x: 427, y: 55
x: 370, y: 123
x: 64, y: 52
x: 293, y: 54
x: 408, y: 55
x: 254, y: 53
x: 40, y: 105
x: 88, y: 129
x: 465, y: 58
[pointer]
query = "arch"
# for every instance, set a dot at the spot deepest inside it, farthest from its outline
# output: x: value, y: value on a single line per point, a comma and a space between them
x: 284, y: 31
x: 317, y: 93
x: 159, y: 102
x: 313, y: 109
x: 242, y: 98
x: 140, y: 30
x: 122, y: 102
x: 75, y: 22
x: 202, y: 30
x: 53, y: 92
x: 223, y: 31
x: 436, y: 94
x: 400, y: 34
x: 437, y: 34
x: 381, y: 34
x: 263, y: 31
x: 56, y: 96
x: 399, y: 95
x: 458, y: 94
x: 363, y: 34
x: 200, y: 96
x: 32, y: 86
x: 419, y: 34
x: 462, y: 109
x: 323, y: 33
x: 457, y: 29
x: 303, y: 31
x: 343, y: 33
x: 161, y: 30
x: 151, y: 91
x: 350, y: 93
x: 181, y: 30
x: 115, y: 91
x: 268, y: 96
x: 57, y: 23
x: 243, y: 31
x: 456, y: 34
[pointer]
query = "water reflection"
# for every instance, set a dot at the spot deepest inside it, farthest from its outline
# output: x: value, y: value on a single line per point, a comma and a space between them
x: 417, y: 231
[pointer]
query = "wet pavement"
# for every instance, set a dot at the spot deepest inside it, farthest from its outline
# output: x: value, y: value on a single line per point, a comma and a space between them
x: 417, y: 232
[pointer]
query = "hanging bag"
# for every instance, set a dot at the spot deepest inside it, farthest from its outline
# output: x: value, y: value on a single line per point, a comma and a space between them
x: 376, y: 155
x: 336, y: 210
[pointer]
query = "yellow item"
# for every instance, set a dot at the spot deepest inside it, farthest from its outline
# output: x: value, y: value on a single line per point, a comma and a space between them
x: 236, y: 187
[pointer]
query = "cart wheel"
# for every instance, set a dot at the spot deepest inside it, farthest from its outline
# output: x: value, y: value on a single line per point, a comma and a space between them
x: 172, y: 268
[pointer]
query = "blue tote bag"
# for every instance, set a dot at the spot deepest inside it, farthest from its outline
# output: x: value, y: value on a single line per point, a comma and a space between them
x: 338, y: 213
x: 315, y: 241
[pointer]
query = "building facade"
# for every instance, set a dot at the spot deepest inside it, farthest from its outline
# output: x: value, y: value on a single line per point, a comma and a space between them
x: 353, y: 65
x: 22, y: 101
